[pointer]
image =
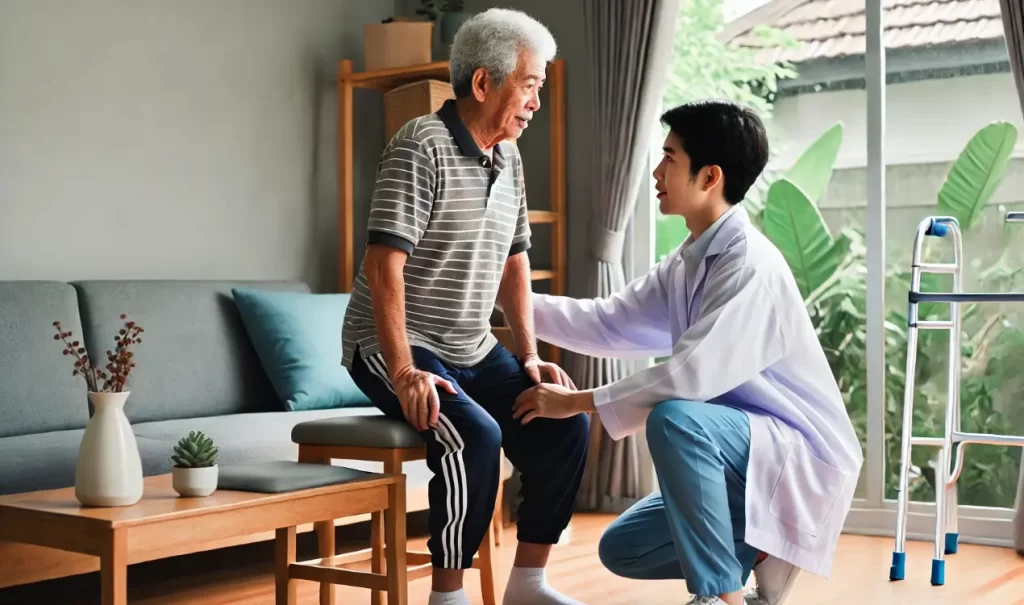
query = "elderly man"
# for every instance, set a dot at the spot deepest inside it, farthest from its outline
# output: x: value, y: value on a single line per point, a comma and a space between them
x: 448, y: 236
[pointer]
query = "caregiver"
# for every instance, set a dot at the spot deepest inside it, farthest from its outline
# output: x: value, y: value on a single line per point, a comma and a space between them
x: 756, y: 457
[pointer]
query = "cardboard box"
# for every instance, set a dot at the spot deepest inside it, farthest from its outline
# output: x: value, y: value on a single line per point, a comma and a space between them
x: 412, y: 101
x: 397, y: 44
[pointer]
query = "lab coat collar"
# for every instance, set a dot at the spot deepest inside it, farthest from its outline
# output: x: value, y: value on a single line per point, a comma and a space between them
x: 729, y: 224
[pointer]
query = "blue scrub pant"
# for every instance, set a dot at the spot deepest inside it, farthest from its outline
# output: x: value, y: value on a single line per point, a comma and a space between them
x: 693, y: 529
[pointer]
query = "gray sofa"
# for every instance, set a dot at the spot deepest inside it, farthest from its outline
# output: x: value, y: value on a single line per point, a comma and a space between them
x: 196, y: 370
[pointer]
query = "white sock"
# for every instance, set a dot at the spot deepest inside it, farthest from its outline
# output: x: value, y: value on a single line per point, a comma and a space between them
x: 455, y: 597
x: 529, y: 586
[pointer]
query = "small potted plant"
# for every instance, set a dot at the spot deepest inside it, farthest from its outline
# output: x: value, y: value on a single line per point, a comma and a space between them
x: 108, y: 470
x: 195, y: 465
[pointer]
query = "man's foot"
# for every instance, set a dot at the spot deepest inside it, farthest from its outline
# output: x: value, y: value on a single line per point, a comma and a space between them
x: 455, y: 597
x: 529, y: 586
x: 775, y: 579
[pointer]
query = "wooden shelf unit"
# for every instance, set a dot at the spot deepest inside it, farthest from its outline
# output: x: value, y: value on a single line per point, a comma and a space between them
x: 387, y: 79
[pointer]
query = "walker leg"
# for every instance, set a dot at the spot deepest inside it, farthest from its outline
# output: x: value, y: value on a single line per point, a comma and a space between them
x: 941, y: 475
x: 952, y: 538
x: 899, y: 558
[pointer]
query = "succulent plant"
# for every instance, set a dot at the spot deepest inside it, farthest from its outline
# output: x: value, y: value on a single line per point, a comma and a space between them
x: 195, y: 451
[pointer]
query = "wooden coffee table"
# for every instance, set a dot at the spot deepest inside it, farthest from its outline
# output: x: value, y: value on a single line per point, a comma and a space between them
x: 162, y: 522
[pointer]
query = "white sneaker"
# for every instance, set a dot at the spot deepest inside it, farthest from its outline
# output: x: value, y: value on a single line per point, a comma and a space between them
x: 706, y: 601
x: 775, y: 580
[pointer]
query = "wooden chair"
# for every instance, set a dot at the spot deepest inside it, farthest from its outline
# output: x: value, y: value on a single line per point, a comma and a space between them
x: 379, y: 439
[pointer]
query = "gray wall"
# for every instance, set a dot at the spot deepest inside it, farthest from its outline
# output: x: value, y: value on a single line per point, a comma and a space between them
x: 183, y: 139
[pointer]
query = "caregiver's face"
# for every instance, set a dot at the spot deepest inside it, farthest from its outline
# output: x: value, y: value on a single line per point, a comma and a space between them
x: 679, y: 191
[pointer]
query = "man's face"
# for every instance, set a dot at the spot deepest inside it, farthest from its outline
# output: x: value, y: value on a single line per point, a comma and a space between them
x: 512, y: 105
x: 680, y: 192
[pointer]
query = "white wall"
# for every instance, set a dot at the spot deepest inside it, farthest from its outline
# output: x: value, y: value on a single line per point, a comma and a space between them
x: 183, y: 139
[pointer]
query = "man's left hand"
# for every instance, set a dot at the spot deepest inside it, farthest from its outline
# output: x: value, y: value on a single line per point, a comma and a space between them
x: 537, y: 369
x: 551, y: 401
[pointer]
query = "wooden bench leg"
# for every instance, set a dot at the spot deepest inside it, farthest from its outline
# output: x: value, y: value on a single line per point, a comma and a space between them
x: 325, y: 548
x: 324, y: 532
x: 394, y: 535
x: 488, y: 560
x: 499, y: 513
x: 285, y: 556
x: 377, y: 597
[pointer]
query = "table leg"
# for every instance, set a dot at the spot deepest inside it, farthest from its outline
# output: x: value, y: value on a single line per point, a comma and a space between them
x: 114, y: 569
x: 285, y: 556
x: 394, y: 535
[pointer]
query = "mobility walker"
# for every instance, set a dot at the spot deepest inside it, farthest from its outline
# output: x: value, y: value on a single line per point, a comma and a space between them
x: 946, y: 535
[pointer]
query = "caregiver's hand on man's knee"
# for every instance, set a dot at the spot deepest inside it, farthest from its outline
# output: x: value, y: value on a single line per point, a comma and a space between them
x: 551, y: 401
x: 417, y: 394
x: 536, y: 369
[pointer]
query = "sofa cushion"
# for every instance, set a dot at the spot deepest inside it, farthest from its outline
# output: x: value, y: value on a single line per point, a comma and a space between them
x: 298, y: 338
x: 35, y: 462
x: 37, y: 391
x: 195, y: 358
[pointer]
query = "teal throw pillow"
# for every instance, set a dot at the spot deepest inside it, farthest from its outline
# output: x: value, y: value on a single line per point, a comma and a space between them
x: 298, y: 339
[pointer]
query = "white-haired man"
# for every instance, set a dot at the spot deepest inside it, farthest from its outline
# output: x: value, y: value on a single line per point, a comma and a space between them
x: 447, y: 240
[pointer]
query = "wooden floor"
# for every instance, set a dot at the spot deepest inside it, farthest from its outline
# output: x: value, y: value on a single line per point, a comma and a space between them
x: 244, y: 576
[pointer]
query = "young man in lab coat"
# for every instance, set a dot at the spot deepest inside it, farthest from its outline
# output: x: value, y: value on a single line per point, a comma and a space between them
x: 756, y: 456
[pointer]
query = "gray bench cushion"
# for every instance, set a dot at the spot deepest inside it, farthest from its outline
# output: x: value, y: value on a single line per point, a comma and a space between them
x: 359, y: 431
x: 285, y: 476
x: 195, y: 358
x: 38, y: 394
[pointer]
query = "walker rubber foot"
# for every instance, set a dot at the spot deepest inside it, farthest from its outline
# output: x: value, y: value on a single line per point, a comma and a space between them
x: 952, y: 542
x: 938, y: 572
x: 899, y: 566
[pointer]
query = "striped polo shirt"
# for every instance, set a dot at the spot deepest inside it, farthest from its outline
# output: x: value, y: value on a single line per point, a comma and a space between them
x: 458, y: 215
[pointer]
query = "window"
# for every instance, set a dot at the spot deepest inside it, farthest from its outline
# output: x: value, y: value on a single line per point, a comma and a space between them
x: 950, y: 92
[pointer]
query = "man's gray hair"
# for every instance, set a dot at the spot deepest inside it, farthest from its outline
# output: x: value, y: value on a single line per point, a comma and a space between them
x: 492, y: 40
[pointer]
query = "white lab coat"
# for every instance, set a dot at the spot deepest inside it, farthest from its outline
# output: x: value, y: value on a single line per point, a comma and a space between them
x: 727, y: 310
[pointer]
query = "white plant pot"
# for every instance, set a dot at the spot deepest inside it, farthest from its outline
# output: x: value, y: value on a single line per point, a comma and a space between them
x: 194, y: 482
x: 108, y: 471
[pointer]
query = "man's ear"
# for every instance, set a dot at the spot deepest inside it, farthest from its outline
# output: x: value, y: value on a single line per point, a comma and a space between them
x: 481, y: 84
x: 713, y: 177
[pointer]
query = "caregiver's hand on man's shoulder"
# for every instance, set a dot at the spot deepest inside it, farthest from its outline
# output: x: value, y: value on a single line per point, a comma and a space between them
x: 417, y: 394
x: 551, y: 401
x: 536, y: 369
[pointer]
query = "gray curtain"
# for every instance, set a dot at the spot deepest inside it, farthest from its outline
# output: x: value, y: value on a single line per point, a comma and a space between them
x: 1013, y: 28
x: 629, y: 44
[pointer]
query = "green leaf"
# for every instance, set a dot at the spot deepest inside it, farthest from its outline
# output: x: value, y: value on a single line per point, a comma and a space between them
x: 798, y: 230
x: 977, y: 172
x: 812, y: 171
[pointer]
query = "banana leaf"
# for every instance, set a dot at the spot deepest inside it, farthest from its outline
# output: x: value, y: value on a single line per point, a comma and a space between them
x: 798, y: 230
x: 976, y: 173
x: 812, y: 171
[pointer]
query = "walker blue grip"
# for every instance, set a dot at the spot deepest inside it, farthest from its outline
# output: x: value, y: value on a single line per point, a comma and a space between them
x: 952, y: 541
x: 937, y: 229
x: 899, y: 566
x: 938, y: 572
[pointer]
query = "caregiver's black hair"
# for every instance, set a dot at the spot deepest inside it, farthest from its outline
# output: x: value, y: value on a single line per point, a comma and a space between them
x: 723, y: 134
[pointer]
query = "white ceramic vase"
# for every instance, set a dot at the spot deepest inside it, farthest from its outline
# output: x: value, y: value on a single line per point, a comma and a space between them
x: 108, y: 471
x: 194, y: 482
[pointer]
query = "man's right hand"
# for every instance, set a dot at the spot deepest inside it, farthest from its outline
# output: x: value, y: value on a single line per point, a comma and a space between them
x: 417, y: 393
